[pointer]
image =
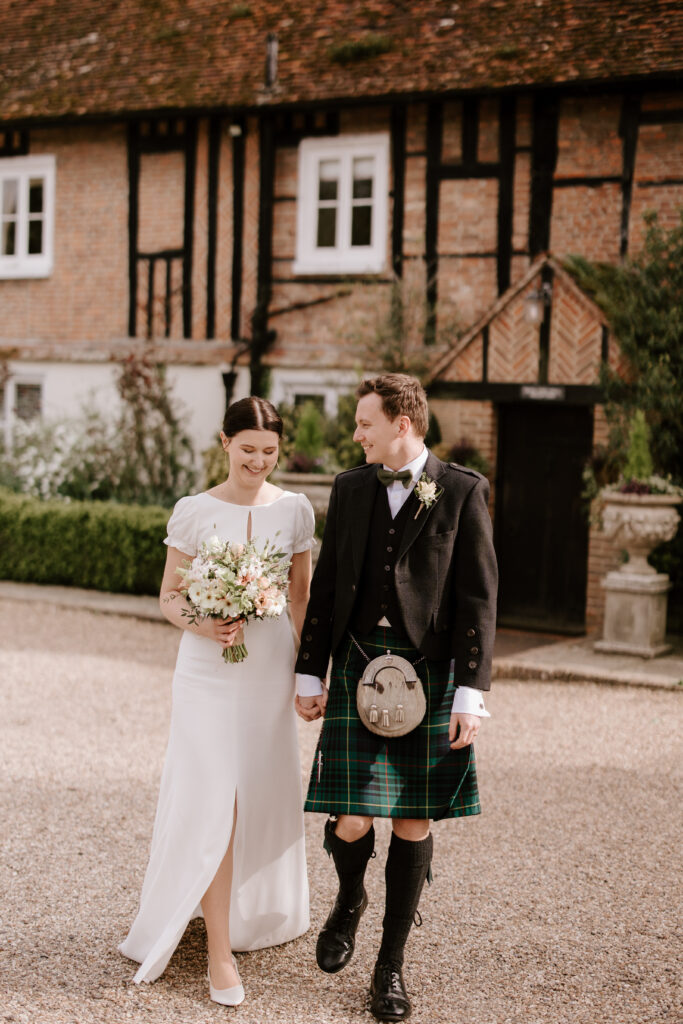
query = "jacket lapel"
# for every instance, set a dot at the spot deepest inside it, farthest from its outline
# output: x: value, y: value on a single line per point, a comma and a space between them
x: 417, y: 519
x: 362, y: 499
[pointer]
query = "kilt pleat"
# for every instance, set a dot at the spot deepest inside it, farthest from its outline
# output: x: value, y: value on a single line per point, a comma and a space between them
x: 413, y: 776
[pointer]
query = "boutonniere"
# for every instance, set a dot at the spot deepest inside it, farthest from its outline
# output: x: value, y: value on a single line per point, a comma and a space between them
x: 427, y: 493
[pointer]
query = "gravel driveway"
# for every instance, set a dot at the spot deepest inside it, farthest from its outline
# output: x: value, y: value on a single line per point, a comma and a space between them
x: 558, y: 904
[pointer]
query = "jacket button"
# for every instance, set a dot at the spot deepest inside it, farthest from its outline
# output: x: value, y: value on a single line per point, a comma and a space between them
x: 470, y: 632
x: 314, y: 622
x: 308, y: 637
x: 353, y: 586
x: 387, y: 568
x: 392, y: 532
x: 474, y: 650
x: 471, y: 664
x: 305, y: 656
x: 390, y: 549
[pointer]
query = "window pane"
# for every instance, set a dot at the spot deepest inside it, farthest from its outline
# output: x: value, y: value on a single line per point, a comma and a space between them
x: 363, y: 169
x: 28, y: 401
x: 10, y: 192
x: 35, y: 237
x: 317, y: 400
x: 328, y: 179
x: 35, y: 195
x: 9, y: 238
x: 327, y: 227
x: 361, y: 225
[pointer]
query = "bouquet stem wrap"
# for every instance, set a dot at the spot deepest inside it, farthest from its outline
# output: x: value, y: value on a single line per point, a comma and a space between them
x: 238, y: 651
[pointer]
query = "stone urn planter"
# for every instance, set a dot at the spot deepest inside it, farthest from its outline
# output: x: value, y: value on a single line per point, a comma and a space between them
x: 316, y: 486
x: 636, y: 594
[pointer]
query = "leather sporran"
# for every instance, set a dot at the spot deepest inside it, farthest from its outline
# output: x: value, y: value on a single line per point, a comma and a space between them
x: 390, y: 698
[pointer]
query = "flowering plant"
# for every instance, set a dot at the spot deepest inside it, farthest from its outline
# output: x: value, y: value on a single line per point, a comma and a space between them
x: 227, y: 580
x: 427, y: 493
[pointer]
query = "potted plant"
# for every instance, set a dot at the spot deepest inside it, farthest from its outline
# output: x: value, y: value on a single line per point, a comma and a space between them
x: 639, y: 510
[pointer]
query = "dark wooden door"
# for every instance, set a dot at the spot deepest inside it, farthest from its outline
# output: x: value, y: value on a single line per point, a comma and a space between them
x: 541, y: 523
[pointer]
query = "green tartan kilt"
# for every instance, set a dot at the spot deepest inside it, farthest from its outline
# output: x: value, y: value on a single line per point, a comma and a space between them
x: 413, y: 776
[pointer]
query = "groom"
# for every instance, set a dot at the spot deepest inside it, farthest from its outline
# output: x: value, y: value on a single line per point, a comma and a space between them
x: 407, y: 565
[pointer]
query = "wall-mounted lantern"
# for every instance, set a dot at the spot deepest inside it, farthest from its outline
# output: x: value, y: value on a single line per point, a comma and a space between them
x: 536, y: 303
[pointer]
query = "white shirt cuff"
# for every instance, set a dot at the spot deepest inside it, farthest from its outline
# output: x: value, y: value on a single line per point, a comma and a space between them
x: 468, y: 701
x: 308, y: 686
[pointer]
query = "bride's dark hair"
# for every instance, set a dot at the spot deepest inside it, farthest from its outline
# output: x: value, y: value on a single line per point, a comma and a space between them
x: 251, y: 414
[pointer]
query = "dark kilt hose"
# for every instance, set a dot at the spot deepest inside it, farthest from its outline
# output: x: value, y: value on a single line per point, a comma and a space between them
x: 430, y: 572
x: 412, y: 776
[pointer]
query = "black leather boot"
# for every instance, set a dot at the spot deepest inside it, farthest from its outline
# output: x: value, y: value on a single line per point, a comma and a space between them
x: 388, y: 997
x: 337, y: 939
x: 406, y: 870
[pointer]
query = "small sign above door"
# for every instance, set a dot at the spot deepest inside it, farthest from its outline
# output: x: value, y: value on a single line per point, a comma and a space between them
x: 542, y: 393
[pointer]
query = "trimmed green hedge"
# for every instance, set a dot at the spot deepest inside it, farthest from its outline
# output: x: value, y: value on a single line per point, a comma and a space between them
x: 91, y: 544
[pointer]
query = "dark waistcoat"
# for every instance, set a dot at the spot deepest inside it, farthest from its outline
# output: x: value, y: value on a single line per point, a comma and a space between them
x: 376, y: 589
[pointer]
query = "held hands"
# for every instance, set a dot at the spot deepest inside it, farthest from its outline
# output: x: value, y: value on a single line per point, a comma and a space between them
x: 310, y: 708
x: 222, y: 631
x: 465, y: 728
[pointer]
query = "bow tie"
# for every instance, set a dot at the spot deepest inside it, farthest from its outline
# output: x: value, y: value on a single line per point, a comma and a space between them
x: 387, y: 476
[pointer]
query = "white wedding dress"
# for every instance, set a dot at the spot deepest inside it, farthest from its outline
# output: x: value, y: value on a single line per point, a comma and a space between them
x: 232, y: 743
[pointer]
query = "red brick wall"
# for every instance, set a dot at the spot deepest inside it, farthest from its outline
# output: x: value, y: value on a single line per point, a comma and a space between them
x: 86, y: 298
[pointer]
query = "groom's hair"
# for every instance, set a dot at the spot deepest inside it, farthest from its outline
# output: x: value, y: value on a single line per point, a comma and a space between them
x: 401, y: 396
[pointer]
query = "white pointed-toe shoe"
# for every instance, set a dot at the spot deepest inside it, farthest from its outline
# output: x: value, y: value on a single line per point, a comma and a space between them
x: 226, y: 996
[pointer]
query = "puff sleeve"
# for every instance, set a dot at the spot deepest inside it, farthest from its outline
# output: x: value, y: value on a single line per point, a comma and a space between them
x: 304, y: 526
x: 182, y: 527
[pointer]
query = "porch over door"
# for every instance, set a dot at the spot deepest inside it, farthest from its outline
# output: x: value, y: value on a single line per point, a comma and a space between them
x: 541, y: 522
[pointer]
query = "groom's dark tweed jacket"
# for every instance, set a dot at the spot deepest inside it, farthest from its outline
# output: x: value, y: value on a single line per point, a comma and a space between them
x: 445, y: 575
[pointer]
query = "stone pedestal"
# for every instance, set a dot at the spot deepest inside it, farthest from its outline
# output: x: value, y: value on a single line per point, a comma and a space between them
x: 635, y: 605
x: 635, y: 614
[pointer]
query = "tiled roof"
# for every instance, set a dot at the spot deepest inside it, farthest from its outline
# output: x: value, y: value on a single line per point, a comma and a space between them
x: 74, y: 57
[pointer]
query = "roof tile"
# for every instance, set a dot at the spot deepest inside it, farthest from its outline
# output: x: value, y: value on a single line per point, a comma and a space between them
x: 60, y: 58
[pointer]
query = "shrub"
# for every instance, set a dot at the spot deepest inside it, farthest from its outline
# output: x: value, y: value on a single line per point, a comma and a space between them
x: 465, y: 454
x: 97, y: 545
x: 309, y: 438
x: 137, y: 454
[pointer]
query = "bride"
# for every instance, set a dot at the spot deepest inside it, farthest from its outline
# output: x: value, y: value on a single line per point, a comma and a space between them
x: 228, y: 840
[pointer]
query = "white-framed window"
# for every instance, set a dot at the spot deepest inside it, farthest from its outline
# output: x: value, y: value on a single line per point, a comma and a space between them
x: 342, y: 203
x: 21, y: 398
x: 27, y: 211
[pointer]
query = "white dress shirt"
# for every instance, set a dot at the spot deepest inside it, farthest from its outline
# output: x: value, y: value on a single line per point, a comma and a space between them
x: 466, y: 699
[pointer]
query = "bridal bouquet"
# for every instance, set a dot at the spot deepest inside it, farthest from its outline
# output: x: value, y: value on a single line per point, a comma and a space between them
x: 229, y: 581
